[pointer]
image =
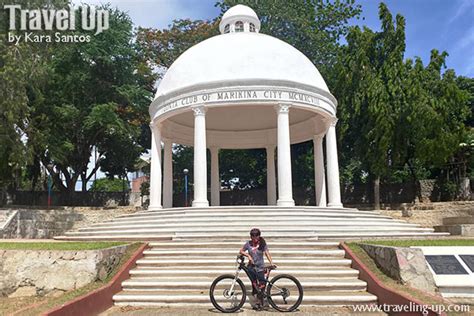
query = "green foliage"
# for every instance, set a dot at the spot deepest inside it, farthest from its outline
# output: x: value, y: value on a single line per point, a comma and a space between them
x: 22, y: 72
x: 448, y: 190
x: 182, y: 159
x: 110, y: 185
x: 467, y: 84
x: 368, y: 90
x: 238, y: 169
x: 145, y: 188
x: 96, y: 96
x: 396, y: 116
x: 243, y: 169
x: 163, y: 47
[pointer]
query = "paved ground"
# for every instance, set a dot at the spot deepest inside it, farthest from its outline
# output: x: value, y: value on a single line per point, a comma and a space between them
x: 203, y: 311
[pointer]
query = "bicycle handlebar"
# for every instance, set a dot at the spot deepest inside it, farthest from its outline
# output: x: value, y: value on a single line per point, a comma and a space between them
x: 241, y: 260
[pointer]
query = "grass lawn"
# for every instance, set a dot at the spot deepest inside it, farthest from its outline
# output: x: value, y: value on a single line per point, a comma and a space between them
x: 396, y: 285
x: 420, y: 243
x: 9, y: 305
x: 85, y: 245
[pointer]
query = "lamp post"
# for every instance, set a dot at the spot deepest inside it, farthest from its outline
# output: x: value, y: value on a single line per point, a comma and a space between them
x: 50, y: 183
x: 185, y: 171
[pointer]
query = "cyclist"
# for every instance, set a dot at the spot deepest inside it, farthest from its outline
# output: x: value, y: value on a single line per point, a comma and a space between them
x: 254, y: 250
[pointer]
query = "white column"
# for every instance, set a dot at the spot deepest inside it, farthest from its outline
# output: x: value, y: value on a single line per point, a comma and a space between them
x: 319, y: 174
x: 168, y: 174
x: 215, y: 177
x: 200, y: 164
x: 285, y: 190
x: 271, y: 181
x: 334, y: 190
x: 155, y: 168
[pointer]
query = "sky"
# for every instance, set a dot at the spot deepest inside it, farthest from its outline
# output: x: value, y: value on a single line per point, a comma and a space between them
x: 446, y: 25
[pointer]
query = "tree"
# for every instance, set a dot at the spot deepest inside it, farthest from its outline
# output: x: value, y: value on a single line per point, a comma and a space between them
x: 465, y: 154
x: 369, y: 90
x: 162, y: 47
x: 394, y: 113
x: 22, y: 72
x: 243, y: 169
x: 96, y: 95
x: 433, y: 114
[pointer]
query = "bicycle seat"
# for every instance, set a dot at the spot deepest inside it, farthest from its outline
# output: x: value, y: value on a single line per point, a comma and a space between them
x: 269, y: 268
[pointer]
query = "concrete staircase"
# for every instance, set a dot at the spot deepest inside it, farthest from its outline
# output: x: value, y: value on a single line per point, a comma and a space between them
x: 6, y: 217
x: 459, y: 225
x: 235, y: 222
x: 181, y: 272
x: 190, y: 247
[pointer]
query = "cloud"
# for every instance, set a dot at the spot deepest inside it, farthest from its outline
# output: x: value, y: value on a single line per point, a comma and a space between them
x: 467, y: 41
x: 465, y: 6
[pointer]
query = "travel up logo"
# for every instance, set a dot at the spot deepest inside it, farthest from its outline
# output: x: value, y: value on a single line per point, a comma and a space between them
x: 28, y: 25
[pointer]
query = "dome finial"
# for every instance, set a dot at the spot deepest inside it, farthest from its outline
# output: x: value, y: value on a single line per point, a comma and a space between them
x: 239, y: 18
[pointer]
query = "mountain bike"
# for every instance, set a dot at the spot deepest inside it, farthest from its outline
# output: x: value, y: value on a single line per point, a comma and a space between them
x: 228, y: 293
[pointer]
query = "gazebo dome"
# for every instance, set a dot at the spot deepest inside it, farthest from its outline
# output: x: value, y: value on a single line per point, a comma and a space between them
x: 239, y: 14
x: 240, y: 57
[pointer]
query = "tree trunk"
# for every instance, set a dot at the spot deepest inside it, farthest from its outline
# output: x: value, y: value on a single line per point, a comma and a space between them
x: 377, y: 193
x: 416, y: 182
x: 84, y: 182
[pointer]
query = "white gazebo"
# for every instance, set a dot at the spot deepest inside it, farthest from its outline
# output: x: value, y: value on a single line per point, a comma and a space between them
x: 241, y: 90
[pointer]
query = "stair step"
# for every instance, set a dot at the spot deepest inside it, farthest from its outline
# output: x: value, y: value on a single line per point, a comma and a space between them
x: 294, y: 244
x: 268, y: 236
x: 460, y: 220
x: 186, y: 283
x: 239, y: 219
x: 225, y: 230
x: 183, y: 279
x: 255, y: 208
x: 251, y: 215
x: 209, y: 225
x: 198, y: 272
x: 217, y: 252
x: 229, y: 262
x: 205, y: 267
x: 164, y: 297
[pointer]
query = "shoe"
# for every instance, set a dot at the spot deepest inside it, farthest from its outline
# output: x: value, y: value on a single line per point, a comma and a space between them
x: 258, y: 307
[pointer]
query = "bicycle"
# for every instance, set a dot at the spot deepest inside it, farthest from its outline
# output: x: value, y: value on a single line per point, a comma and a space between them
x: 284, y: 292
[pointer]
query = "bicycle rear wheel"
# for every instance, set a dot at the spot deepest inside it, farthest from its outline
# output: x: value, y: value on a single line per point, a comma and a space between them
x: 227, y: 295
x: 284, y: 293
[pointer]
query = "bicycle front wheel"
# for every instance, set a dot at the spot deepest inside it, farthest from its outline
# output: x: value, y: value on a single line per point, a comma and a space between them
x: 285, y: 293
x: 227, y: 294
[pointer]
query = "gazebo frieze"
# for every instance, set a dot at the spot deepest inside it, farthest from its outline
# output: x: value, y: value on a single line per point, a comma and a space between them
x: 245, y: 95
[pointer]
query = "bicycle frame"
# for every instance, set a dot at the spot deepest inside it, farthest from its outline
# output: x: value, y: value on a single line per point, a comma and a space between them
x: 241, y: 266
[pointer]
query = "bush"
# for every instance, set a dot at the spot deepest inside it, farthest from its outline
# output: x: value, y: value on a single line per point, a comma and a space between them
x: 145, y: 188
x: 110, y: 185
